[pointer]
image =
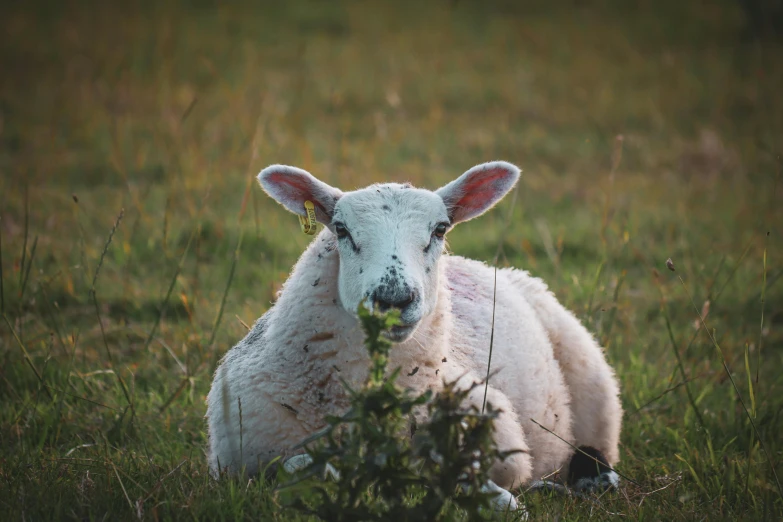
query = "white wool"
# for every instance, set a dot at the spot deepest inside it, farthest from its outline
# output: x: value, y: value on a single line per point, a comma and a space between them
x: 286, y: 372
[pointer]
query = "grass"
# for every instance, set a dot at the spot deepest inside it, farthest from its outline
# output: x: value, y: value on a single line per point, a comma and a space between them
x: 645, y: 132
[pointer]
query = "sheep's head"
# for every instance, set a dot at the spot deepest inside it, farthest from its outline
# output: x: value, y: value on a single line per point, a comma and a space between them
x: 391, y: 236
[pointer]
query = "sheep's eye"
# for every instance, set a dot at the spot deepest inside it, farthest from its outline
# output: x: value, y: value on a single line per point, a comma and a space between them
x: 440, y: 230
x: 340, y: 230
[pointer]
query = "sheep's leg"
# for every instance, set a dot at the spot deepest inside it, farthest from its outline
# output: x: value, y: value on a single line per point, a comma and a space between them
x: 595, y: 406
x: 517, y: 468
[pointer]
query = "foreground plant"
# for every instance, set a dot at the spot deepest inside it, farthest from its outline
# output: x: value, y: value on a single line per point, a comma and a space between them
x: 383, y: 465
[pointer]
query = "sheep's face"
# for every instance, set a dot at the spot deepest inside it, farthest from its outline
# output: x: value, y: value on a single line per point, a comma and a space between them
x: 391, y: 236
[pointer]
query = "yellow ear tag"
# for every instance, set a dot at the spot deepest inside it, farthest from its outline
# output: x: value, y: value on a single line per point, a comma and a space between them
x: 308, y: 222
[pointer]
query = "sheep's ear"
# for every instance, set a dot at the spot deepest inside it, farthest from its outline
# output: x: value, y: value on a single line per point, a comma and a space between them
x: 291, y: 187
x: 478, y: 190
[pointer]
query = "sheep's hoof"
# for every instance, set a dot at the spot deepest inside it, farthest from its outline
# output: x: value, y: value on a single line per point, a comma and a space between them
x: 547, y: 486
x: 299, y: 462
x: 331, y: 472
x: 588, y: 474
x: 503, y: 500
x: 604, y: 481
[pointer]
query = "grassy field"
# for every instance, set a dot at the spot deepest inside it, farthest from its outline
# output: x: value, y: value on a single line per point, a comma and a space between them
x: 645, y: 132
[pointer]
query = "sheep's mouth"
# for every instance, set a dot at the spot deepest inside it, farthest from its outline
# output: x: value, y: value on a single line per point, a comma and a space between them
x: 400, y: 332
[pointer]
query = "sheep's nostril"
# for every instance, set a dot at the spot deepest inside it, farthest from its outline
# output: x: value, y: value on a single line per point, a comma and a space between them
x: 385, y: 302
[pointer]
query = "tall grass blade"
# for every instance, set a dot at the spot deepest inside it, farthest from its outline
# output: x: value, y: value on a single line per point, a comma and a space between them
x: 120, y: 380
x: 190, y: 108
x: 85, y: 399
x: 753, y: 413
x: 165, y: 302
x: 94, y: 296
x: 106, y: 249
x: 27, y: 269
x: 124, y: 491
x: 491, y: 341
x: 26, y: 231
x: 166, y: 212
x: 2, y: 280
x: 661, y: 395
x: 715, y: 277
x: 734, y: 269
x: 597, y: 277
x: 219, y: 315
x: 736, y: 389
x: 763, y: 302
x: 680, y: 364
x: 750, y: 381
x: 27, y: 356
x: 174, y: 395
x: 85, y: 267
x: 108, y: 351
x: 695, y: 475
x: 607, y: 329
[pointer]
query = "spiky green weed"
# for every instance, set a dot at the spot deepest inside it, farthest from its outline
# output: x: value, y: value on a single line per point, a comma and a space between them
x: 388, y: 466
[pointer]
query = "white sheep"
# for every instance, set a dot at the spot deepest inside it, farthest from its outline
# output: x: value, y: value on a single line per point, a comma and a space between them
x: 385, y: 244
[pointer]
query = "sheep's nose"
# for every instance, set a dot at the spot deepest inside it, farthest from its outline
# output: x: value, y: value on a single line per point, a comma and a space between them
x: 385, y: 300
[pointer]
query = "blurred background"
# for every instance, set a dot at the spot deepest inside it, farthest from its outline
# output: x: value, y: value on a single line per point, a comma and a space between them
x: 645, y: 130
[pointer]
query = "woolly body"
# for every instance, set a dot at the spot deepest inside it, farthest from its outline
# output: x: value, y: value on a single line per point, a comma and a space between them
x: 285, y: 374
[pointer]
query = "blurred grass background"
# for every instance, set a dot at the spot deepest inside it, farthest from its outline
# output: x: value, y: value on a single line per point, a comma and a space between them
x: 645, y: 131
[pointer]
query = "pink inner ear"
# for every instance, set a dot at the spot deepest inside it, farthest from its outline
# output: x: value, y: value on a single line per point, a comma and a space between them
x: 481, y: 189
x: 296, y: 188
x: 291, y: 184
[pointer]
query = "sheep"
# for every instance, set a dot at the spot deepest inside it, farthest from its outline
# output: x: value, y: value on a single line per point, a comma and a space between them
x: 385, y: 244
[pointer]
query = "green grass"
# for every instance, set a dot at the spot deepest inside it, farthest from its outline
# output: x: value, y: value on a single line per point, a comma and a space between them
x: 168, y: 111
